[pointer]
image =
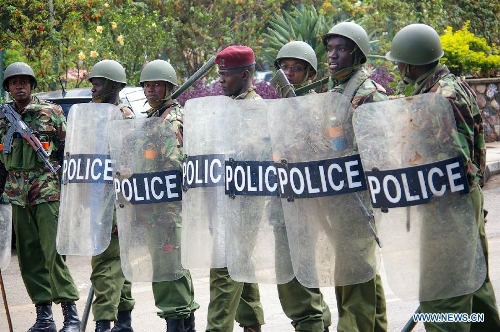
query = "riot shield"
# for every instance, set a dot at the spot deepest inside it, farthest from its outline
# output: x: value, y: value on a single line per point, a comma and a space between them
x: 86, y: 212
x: 5, y: 234
x: 203, y: 225
x: 257, y: 244
x: 420, y: 194
x: 148, y: 192
x: 323, y: 192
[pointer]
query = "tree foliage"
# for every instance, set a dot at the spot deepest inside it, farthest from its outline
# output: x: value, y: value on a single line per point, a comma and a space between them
x: 304, y: 23
x: 56, y: 36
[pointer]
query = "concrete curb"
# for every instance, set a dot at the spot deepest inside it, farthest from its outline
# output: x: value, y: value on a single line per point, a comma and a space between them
x: 491, y: 169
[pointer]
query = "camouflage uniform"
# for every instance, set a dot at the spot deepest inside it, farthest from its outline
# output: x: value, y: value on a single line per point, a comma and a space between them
x: 174, y: 298
x: 230, y: 299
x: 362, y: 306
x: 34, y: 193
x: 473, y: 149
x: 113, y: 293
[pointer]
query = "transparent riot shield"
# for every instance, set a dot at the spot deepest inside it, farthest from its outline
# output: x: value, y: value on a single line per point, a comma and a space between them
x: 86, y: 212
x: 5, y: 234
x: 420, y: 194
x: 148, y: 192
x: 323, y: 193
x: 203, y: 223
x: 257, y: 244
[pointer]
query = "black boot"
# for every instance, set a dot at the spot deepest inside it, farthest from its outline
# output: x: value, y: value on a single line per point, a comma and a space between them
x: 175, y: 325
x: 124, y: 322
x: 103, y: 326
x: 71, y: 320
x: 252, y: 328
x: 44, y: 319
x: 189, y: 323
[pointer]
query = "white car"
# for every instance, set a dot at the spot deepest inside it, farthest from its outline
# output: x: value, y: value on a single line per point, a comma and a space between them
x: 133, y: 96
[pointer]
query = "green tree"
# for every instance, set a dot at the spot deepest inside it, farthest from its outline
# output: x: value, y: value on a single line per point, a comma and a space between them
x: 303, y: 23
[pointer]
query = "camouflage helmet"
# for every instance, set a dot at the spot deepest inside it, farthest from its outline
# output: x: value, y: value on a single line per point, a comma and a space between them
x: 109, y: 69
x: 16, y: 69
x: 416, y: 44
x: 354, y: 32
x: 158, y: 70
x: 297, y: 50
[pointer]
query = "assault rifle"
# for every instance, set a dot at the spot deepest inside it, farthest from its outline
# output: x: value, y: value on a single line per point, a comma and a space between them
x: 193, y: 78
x: 16, y: 124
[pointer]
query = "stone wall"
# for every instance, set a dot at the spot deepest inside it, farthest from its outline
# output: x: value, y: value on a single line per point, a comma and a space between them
x: 488, y: 98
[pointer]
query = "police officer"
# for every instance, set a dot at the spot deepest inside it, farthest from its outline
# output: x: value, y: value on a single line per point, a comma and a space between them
x: 230, y: 299
x: 174, y: 298
x: 33, y: 190
x: 298, y: 61
x: 362, y: 306
x: 304, y: 306
x: 417, y: 49
x: 113, y: 293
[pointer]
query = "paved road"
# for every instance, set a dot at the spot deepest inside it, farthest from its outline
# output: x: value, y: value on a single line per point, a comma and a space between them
x: 144, y: 317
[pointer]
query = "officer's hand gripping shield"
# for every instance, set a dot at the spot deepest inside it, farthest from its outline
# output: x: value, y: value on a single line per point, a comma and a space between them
x: 148, y: 192
x: 325, y: 206
x: 419, y: 190
x: 87, y: 200
x: 5, y: 234
x: 203, y: 203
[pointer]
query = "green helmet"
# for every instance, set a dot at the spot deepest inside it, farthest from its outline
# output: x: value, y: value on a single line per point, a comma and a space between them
x: 354, y: 32
x: 109, y: 69
x: 297, y: 50
x: 415, y: 44
x: 158, y: 70
x: 16, y: 69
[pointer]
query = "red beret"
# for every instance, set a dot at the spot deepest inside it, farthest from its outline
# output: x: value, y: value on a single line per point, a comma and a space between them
x: 235, y: 57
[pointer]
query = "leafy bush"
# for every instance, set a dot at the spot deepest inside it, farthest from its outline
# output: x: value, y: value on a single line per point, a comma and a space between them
x: 384, y: 77
x: 466, y: 54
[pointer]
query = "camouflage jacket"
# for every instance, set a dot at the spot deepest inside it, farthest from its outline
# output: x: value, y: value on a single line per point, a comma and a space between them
x: 31, y: 183
x: 161, y: 146
x: 367, y: 91
x: 173, y: 112
x: 467, y: 117
x: 249, y: 94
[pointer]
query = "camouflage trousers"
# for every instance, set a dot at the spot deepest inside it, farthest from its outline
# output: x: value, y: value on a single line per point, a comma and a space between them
x: 362, y: 307
x: 44, y: 272
x: 230, y: 300
x: 175, y: 298
x: 113, y: 292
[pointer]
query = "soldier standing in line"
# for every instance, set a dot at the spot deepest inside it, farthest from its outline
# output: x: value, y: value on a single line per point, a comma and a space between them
x: 417, y: 49
x: 304, y: 306
x: 230, y: 299
x: 113, y: 293
x: 362, y: 306
x: 34, y: 192
x: 175, y: 298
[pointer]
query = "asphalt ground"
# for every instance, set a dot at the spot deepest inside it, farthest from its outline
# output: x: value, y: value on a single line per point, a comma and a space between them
x: 144, y: 318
